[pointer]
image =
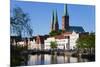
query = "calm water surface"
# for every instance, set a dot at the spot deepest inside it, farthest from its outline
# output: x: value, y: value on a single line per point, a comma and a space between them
x: 52, y: 59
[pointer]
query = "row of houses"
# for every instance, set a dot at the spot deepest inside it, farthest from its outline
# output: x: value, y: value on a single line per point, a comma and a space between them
x: 65, y: 41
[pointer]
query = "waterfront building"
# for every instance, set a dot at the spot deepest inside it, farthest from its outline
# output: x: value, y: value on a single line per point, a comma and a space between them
x: 65, y: 41
x: 32, y: 44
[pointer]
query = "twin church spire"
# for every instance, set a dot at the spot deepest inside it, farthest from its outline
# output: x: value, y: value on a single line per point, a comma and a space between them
x: 54, y: 20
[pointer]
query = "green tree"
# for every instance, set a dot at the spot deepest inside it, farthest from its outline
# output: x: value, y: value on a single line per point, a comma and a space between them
x: 86, y: 42
x: 53, y: 44
x: 53, y: 33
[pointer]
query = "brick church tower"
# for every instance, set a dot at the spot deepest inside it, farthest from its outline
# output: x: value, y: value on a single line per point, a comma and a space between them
x: 65, y: 19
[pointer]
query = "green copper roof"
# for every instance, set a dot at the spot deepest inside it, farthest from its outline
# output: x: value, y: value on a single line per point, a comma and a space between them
x: 52, y: 19
x: 65, y: 10
x: 55, y: 17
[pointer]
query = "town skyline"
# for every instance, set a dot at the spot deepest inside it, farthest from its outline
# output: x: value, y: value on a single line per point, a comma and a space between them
x: 41, y: 26
x: 56, y: 33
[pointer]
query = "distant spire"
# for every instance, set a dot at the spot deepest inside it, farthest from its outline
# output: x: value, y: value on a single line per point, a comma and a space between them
x: 65, y: 10
x: 52, y: 20
x: 56, y: 17
x: 56, y: 26
x: 53, y: 16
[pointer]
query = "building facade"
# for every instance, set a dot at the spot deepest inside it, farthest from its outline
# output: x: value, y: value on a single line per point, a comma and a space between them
x: 65, y: 41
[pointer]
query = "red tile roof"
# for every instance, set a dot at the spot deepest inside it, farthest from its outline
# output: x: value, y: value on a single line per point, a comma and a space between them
x: 62, y: 36
x: 67, y: 33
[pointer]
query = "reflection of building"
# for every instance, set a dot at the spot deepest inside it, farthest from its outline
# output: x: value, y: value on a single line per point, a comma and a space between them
x: 64, y: 41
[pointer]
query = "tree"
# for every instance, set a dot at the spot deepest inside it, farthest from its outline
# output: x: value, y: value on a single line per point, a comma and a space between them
x: 20, y: 23
x: 86, y: 42
x: 53, y: 44
x: 53, y: 33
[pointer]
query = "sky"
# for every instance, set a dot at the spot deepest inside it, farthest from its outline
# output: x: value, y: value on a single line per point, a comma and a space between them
x: 40, y: 14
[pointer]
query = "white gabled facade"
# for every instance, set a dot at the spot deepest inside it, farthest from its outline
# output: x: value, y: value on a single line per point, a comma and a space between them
x: 47, y: 42
x: 31, y: 44
x: 65, y: 43
x: 61, y: 43
x: 73, y: 38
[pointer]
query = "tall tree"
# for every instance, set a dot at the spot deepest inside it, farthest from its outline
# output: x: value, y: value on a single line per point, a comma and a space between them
x: 20, y: 22
x: 86, y: 42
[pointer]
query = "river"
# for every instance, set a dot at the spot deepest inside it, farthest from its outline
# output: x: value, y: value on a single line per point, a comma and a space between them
x: 43, y: 59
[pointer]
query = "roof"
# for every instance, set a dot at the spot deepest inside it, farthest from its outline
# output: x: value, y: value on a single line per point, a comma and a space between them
x: 17, y: 38
x: 78, y: 29
x: 66, y: 33
x: 60, y: 37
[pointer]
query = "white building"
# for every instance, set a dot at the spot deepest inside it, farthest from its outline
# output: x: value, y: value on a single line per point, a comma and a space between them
x: 31, y: 44
x: 73, y: 38
x: 64, y: 41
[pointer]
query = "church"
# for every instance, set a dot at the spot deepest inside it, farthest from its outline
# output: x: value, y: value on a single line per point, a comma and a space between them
x: 67, y: 39
x: 65, y: 22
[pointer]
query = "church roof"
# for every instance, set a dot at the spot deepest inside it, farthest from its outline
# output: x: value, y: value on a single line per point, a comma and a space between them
x: 78, y: 29
x: 65, y: 10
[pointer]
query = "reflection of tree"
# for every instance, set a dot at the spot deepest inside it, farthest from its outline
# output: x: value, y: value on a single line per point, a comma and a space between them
x: 65, y: 58
x: 26, y: 59
x: 53, y: 59
x: 17, y: 56
x: 68, y: 59
x: 78, y: 59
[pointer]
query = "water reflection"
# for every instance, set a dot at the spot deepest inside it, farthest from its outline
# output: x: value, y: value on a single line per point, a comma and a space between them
x: 52, y: 59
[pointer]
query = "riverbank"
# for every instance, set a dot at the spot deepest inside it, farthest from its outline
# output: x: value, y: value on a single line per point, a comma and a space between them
x: 58, y: 52
x: 20, y: 56
x: 90, y: 57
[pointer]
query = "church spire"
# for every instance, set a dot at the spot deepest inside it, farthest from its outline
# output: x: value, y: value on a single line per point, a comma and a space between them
x: 56, y: 26
x: 52, y: 21
x: 55, y: 17
x: 65, y: 10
